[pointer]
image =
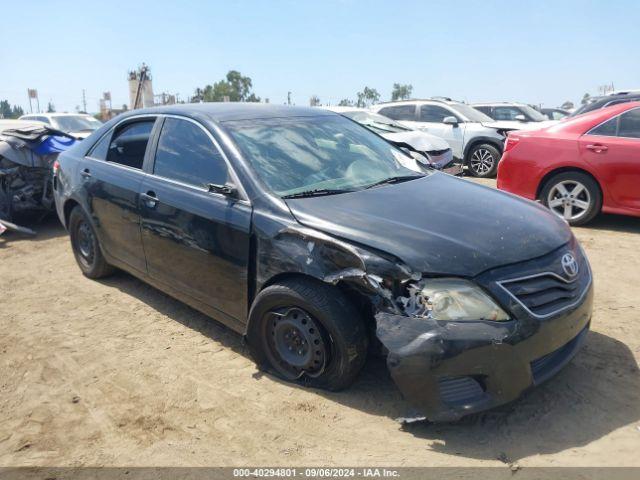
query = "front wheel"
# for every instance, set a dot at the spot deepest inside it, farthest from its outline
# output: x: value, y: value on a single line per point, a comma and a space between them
x: 482, y: 160
x: 306, y: 331
x: 573, y: 196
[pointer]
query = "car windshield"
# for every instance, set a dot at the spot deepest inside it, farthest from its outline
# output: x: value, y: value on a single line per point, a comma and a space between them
x: 75, y: 123
x: 328, y: 154
x: 470, y: 113
x: 532, y: 113
x: 375, y: 121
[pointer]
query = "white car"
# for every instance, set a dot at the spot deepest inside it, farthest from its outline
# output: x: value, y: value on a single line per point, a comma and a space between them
x: 515, y: 112
x: 79, y: 125
x: 476, y: 139
x: 428, y: 149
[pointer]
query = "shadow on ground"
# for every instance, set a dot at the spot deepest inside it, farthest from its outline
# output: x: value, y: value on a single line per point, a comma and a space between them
x: 594, y: 395
x: 616, y: 223
x: 46, y: 228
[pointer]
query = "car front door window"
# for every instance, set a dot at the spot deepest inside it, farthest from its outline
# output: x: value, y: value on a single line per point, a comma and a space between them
x: 186, y: 154
x: 433, y: 114
x: 506, y: 113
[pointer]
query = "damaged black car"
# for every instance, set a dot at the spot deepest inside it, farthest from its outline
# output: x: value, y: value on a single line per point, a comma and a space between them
x: 321, y: 243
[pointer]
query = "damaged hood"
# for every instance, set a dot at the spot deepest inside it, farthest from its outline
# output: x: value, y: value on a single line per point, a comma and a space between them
x: 438, y: 224
x: 419, y: 141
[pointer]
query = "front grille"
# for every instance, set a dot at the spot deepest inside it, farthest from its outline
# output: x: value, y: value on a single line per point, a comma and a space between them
x: 548, y: 293
x: 545, y: 367
x: 455, y: 390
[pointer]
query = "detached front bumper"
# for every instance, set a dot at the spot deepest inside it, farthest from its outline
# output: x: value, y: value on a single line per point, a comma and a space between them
x: 451, y: 369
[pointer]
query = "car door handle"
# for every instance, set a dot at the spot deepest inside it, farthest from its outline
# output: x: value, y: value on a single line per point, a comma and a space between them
x: 597, y: 148
x: 150, y: 199
x: 85, y: 173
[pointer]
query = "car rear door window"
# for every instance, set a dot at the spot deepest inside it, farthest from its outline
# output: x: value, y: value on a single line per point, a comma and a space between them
x: 186, y: 154
x: 400, y: 112
x: 629, y: 125
x: 433, y: 114
x: 128, y: 144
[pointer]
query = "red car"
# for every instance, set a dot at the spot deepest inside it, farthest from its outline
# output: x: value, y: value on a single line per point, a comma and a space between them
x: 580, y: 166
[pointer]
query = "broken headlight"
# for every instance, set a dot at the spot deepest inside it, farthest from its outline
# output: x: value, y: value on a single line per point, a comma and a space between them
x: 452, y: 299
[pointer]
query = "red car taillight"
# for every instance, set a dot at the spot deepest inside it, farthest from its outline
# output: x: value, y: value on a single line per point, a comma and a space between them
x: 510, y: 143
x: 56, y: 167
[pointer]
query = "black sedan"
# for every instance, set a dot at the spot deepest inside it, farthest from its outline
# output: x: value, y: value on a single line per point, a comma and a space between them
x: 305, y: 232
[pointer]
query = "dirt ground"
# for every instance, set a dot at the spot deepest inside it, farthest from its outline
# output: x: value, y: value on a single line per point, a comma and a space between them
x: 114, y: 372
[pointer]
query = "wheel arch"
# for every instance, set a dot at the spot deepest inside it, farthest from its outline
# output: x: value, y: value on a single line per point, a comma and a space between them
x: 358, y: 298
x: 556, y: 171
x: 69, y: 205
x: 494, y: 142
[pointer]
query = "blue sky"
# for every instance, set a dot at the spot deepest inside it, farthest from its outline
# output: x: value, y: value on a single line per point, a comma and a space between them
x: 538, y: 51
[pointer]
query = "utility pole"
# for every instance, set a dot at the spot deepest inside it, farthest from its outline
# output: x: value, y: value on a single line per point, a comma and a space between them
x: 84, y: 101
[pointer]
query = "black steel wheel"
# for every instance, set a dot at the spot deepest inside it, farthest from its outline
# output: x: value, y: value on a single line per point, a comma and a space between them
x: 307, y: 331
x: 295, y: 343
x: 86, y: 247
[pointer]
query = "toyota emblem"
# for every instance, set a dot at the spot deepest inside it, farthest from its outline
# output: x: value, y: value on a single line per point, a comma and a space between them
x: 569, y: 265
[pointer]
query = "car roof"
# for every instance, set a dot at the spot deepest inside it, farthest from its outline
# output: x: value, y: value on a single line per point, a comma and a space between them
x: 443, y: 100
x: 576, y: 123
x: 343, y: 109
x: 56, y: 114
x: 226, y: 111
x: 491, y: 104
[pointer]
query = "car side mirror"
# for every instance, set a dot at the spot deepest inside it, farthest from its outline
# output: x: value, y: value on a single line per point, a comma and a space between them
x: 226, y: 189
x: 520, y: 117
x: 450, y: 121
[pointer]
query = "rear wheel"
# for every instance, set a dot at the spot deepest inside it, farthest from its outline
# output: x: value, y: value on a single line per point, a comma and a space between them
x: 573, y: 196
x: 86, y: 248
x: 308, y: 332
x: 482, y: 160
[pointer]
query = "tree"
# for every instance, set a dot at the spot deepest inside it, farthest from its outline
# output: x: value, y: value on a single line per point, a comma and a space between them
x: 585, y: 99
x: 345, y: 102
x: 7, y: 111
x: 367, y: 97
x: 51, y: 108
x: 235, y: 88
x: 568, y: 105
x: 401, y: 92
x: 314, y: 101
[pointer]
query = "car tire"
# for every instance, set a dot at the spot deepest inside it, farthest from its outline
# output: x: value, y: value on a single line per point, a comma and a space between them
x: 86, y: 247
x: 326, y: 331
x: 482, y: 160
x: 559, y: 194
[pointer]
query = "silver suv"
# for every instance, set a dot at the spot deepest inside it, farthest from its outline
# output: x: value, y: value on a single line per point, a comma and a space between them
x: 474, y: 137
x: 511, y: 111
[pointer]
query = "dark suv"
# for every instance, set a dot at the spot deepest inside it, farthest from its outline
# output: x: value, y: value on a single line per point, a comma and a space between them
x: 604, y: 101
x: 303, y: 231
